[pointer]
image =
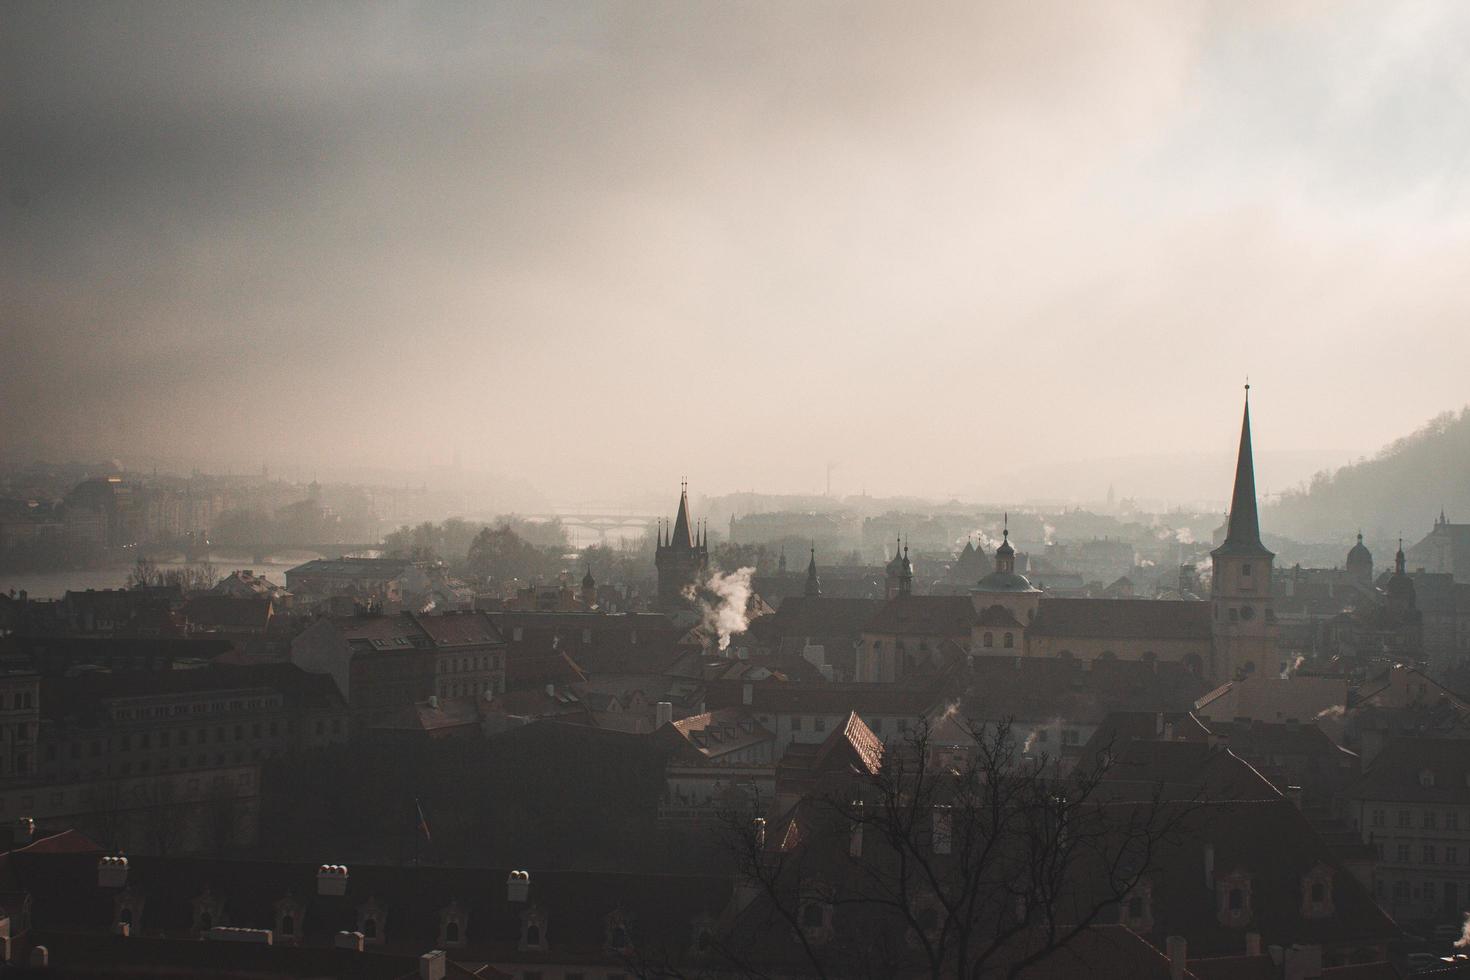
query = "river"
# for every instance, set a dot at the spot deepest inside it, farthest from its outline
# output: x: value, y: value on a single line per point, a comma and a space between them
x: 54, y: 585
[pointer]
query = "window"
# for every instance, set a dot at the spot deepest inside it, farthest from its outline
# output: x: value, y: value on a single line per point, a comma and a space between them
x: 1237, y: 900
x: 1403, y: 853
x: 1430, y: 819
x: 1378, y: 818
x: 1401, y: 890
x: 1009, y: 641
x: 1245, y: 569
x: 1428, y: 853
x: 989, y: 640
x: 796, y: 723
x: 1451, y: 854
x: 451, y: 932
x: 819, y: 724
x: 288, y: 925
x: 1404, y: 818
x: 1451, y: 820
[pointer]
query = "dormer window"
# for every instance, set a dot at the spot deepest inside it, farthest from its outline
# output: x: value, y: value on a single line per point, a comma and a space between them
x: 533, y: 929
x: 1317, y: 893
x: 816, y: 921
x: 618, y: 931
x: 1426, y: 778
x: 1233, y: 899
x: 209, y: 912
x: 1138, y: 909
x: 453, y: 923
x: 128, y: 910
x: 289, y: 913
x: 372, y: 922
x: 989, y: 640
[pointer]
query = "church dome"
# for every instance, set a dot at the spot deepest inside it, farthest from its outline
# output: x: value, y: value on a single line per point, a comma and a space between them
x: 1359, y: 553
x: 1006, y: 582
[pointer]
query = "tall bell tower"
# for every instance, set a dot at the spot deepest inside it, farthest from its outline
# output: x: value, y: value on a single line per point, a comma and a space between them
x: 1244, y: 624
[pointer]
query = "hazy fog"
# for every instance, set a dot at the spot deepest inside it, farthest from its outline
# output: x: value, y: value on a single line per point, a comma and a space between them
x: 607, y: 245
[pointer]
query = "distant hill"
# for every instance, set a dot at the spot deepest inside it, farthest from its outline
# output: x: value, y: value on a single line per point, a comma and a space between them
x: 1400, y: 490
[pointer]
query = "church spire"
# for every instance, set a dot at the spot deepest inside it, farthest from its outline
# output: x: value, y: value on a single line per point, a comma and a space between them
x: 813, y: 584
x: 682, y: 536
x: 1243, y: 534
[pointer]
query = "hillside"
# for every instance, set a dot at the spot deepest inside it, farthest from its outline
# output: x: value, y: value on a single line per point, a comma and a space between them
x: 1400, y: 490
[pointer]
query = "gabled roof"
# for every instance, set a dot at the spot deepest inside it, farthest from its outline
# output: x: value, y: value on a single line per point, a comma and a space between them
x: 1417, y: 770
x: 459, y: 629
x: 1147, y: 619
x: 851, y: 745
x: 714, y: 734
x: 924, y: 615
x: 821, y: 616
x: 229, y: 612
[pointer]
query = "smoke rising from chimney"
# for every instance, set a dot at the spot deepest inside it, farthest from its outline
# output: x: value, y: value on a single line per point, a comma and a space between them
x: 723, y: 600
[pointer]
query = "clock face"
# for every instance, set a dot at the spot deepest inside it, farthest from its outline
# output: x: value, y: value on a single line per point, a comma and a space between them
x: 1247, y: 613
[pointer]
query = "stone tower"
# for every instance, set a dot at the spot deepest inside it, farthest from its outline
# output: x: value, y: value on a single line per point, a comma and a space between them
x: 1244, y: 624
x: 682, y: 557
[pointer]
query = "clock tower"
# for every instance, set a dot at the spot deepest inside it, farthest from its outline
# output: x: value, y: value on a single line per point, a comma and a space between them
x: 1243, y: 622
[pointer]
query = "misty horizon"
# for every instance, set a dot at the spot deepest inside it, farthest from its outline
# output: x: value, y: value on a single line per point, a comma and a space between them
x: 940, y: 249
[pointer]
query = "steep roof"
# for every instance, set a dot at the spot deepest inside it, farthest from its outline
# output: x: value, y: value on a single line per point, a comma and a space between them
x: 1417, y: 770
x: 660, y: 910
x: 1243, y: 533
x: 229, y: 612
x: 924, y: 615
x: 1144, y: 619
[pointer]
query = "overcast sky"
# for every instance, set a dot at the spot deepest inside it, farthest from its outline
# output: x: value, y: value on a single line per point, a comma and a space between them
x: 608, y: 245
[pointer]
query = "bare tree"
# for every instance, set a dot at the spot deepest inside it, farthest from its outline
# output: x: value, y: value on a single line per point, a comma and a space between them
x: 978, y: 863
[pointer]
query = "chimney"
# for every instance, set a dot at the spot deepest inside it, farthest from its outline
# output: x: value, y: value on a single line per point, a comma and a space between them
x: 1159, y: 723
x: 431, y: 965
x: 1176, y: 948
x: 1210, y: 866
x: 40, y: 957
x: 747, y: 693
x: 122, y: 929
x: 1253, y: 944
x: 348, y: 940
x: 1302, y: 963
x: 331, y: 879
x: 112, y: 871
x: 551, y: 690
x: 663, y: 714
x: 434, y: 702
x: 518, y: 886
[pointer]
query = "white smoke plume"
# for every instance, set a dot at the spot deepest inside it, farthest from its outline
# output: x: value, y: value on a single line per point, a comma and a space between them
x: 1293, y: 667
x: 1334, y: 712
x: 1464, y: 941
x: 723, y: 600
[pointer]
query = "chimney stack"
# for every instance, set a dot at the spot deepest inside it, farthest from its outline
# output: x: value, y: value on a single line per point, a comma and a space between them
x: 112, y: 871
x: 518, y: 886
x: 40, y: 957
x: 331, y: 879
x: 348, y: 940
x: 663, y: 714
x: 1176, y: 948
x: 1302, y: 963
x: 431, y: 965
x: 434, y: 701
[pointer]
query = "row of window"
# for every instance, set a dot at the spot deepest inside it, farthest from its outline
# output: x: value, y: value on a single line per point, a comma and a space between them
x: 461, y: 664
x: 193, y: 708
x: 1428, y: 819
x: 20, y: 701
x: 1428, y: 854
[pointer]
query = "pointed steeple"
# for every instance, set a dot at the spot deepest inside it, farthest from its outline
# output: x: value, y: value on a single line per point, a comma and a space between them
x: 1243, y: 533
x: 682, y: 537
x: 1398, y: 559
x: 813, y: 584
